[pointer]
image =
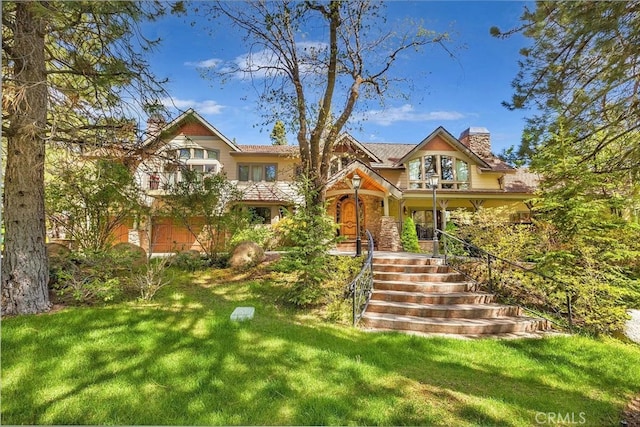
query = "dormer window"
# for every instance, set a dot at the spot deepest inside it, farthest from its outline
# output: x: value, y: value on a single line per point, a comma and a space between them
x: 453, y: 173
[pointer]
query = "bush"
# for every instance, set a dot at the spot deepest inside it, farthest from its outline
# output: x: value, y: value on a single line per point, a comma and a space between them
x: 152, y: 278
x: 190, y: 261
x: 311, y: 234
x: 260, y: 234
x: 409, y: 238
x: 95, y: 276
x: 595, y: 266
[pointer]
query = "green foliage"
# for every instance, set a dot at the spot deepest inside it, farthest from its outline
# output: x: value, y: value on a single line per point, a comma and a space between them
x: 263, y: 235
x: 133, y: 362
x: 90, y: 277
x: 279, y: 133
x: 409, y: 237
x: 581, y: 65
x: 585, y: 258
x: 87, y: 201
x: 312, y: 234
x: 206, y: 206
x: 190, y: 261
x: 74, y: 74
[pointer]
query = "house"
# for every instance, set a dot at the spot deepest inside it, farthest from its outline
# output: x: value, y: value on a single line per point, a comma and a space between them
x: 394, y: 179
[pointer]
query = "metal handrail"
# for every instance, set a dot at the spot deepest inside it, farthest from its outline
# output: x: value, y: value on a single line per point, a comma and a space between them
x: 361, y: 287
x: 489, y: 258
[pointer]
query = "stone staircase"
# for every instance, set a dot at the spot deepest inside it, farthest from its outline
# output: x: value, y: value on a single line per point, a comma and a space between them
x: 416, y: 293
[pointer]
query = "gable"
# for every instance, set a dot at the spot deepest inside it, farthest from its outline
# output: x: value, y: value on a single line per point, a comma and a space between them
x: 193, y: 129
x: 440, y: 137
x: 348, y: 144
x: 188, y: 124
x: 437, y: 143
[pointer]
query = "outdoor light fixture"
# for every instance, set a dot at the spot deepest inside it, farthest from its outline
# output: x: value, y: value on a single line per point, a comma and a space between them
x: 433, y: 183
x: 356, y: 181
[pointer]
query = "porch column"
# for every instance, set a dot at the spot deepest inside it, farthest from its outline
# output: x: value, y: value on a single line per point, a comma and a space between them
x: 443, y: 213
x: 386, y: 205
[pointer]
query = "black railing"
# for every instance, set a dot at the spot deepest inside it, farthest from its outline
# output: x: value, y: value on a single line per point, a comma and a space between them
x: 515, y: 283
x: 361, y: 287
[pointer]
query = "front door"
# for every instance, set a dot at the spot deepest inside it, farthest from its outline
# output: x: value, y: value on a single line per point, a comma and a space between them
x: 348, y: 219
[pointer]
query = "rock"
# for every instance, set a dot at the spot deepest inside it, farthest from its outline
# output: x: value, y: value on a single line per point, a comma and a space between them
x: 632, y: 328
x: 57, y: 252
x: 246, y: 254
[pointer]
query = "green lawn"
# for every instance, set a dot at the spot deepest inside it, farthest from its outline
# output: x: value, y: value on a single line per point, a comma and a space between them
x: 181, y: 361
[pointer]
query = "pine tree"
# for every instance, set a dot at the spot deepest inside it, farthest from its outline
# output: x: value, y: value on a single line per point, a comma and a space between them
x: 66, y: 68
x: 279, y: 134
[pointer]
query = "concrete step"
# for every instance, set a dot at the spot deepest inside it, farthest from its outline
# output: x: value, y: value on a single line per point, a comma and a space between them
x: 407, y: 259
x: 433, y: 298
x: 448, y: 311
x: 408, y: 268
x: 439, y: 325
x: 422, y: 287
x: 418, y: 277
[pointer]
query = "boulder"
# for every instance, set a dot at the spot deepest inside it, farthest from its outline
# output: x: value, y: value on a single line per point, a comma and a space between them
x: 57, y: 252
x: 246, y: 254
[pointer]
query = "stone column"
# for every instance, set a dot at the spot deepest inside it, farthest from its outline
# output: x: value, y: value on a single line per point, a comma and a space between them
x: 389, y: 238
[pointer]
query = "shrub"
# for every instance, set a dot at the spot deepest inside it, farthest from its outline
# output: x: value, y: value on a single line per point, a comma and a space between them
x: 152, y: 278
x: 312, y: 233
x: 190, y: 261
x: 260, y: 234
x: 95, y: 276
x: 409, y: 238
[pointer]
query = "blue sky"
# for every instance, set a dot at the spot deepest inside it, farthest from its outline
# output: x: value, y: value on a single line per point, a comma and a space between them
x: 454, y: 93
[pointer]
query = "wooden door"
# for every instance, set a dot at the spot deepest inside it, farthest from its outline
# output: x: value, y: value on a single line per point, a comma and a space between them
x: 348, y: 216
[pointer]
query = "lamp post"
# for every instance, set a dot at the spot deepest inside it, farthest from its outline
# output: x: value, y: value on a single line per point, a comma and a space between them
x: 433, y: 182
x: 355, y: 181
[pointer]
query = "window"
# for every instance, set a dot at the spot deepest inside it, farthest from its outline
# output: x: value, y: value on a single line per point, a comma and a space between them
x: 415, y: 174
x: 453, y: 172
x: 198, y: 153
x: 260, y: 214
x: 184, y: 153
x: 258, y: 172
x: 270, y: 173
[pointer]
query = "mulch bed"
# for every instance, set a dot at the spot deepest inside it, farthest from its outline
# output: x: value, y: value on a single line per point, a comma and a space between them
x: 632, y: 413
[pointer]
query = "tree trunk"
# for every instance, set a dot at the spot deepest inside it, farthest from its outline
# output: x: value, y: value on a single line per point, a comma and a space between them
x: 25, y: 272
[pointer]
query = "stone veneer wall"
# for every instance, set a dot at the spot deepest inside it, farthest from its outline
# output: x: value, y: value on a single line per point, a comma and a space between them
x: 478, y: 142
x: 389, y: 237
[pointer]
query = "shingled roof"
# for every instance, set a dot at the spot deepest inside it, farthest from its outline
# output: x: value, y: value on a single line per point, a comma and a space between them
x: 281, y: 192
x: 522, y: 181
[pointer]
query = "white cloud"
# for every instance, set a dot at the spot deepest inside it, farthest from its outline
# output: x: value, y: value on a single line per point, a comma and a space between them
x: 266, y: 63
x: 207, y: 63
x: 407, y: 113
x: 208, y: 106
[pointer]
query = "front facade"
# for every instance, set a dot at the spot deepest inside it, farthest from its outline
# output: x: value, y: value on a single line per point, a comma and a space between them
x: 394, y: 180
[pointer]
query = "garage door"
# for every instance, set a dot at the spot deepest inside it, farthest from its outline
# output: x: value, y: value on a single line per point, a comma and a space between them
x: 169, y: 236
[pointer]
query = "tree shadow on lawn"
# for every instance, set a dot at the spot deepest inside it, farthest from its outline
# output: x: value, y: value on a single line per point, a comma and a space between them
x: 181, y: 361
x: 157, y: 366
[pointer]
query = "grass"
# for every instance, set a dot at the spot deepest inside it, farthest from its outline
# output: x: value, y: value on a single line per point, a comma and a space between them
x: 180, y: 360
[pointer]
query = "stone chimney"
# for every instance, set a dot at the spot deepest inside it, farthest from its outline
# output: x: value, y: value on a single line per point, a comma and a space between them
x: 155, y: 123
x: 478, y: 140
